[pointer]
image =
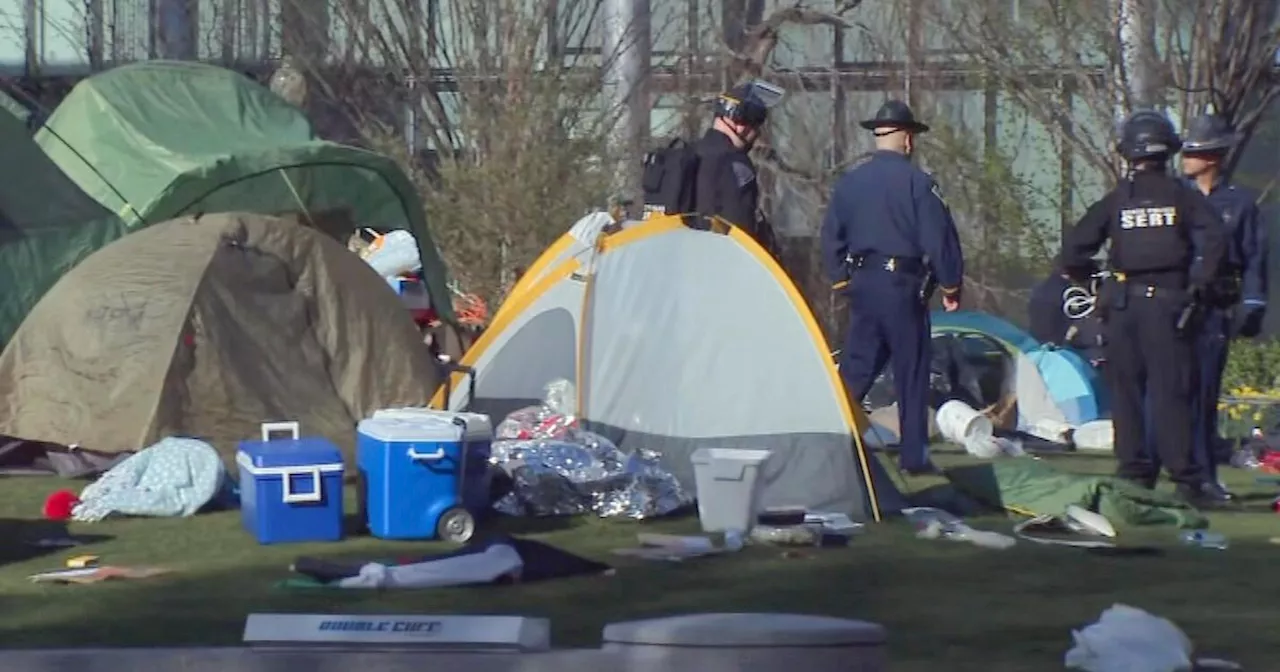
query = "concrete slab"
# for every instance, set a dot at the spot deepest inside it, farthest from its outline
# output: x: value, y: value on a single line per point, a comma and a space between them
x: 236, y: 659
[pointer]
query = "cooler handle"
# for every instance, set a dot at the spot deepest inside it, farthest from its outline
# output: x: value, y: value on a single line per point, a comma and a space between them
x: 291, y: 497
x: 451, y: 368
x: 269, y: 428
x: 415, y: 455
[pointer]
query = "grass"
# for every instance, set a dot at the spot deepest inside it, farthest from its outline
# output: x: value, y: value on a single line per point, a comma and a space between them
x: 948, y: 605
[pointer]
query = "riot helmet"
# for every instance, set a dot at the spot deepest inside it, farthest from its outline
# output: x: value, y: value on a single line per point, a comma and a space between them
x: 1209, y: 134
x: 748, y: 104
x: 1148, y: 134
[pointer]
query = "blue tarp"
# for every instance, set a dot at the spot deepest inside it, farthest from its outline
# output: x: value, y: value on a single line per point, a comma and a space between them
x: 1075, y: 385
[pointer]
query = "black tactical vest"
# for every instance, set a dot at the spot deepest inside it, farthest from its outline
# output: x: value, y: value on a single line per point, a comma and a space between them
x: 1149, y: 231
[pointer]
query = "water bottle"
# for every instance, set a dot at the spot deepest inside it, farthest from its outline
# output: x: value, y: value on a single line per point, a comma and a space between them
x: 1204, y: 539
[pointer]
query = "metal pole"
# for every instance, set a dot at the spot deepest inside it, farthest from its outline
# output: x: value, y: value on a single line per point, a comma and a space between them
x: 1135, y: 30
x: 411, y: 118
x: 626, y: 50
x: 175, y: 29
x: 1133, y: 33
x: 97, y: 34
x: 31, y: 36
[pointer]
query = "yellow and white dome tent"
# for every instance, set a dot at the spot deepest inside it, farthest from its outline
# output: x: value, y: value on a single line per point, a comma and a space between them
x: 678, y: 339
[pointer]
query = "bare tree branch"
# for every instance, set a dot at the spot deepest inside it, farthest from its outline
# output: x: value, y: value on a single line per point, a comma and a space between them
x: 762, y: 39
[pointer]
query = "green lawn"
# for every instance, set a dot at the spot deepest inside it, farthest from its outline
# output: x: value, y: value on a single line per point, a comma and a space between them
x: 948, y: 606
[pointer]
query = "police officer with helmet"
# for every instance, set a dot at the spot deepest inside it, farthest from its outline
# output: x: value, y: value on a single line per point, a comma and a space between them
x: 887, y: 239
x: 1240, y: 297
x: 726, y: 184
x: 1151, y: 219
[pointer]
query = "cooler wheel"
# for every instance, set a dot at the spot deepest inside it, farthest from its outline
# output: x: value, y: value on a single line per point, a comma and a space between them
x: 456, y: 525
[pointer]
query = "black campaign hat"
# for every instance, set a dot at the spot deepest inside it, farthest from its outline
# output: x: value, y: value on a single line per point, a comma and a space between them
x: 1208, y: 133
x: 897, y: 115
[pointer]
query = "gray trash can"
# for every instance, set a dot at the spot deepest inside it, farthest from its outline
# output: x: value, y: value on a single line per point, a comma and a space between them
x: 747, y: 643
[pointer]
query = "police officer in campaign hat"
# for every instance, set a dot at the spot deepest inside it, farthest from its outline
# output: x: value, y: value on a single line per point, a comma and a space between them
x: 1151, y: 219
x: 887, y: 238
x: 1239, y: 301
x: 727, y: 186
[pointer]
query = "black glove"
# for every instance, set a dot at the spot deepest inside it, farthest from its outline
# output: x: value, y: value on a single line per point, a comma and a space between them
x: 1248, y: 322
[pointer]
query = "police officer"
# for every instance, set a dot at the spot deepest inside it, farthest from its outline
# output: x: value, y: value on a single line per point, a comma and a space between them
x: 887, y: 235
x: 1241, y: 292
x: 1046, y: 316
x: 727, y: 185
x: 1048, y: 321
x: 1151, y: 218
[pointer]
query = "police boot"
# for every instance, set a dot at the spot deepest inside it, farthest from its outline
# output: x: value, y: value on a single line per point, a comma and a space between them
x: 1205, y: 495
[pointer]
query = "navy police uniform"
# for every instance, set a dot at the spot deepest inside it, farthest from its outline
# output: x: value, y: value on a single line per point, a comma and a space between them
x: 1048, y: 323
x: 886, y: 230
x: 1237, y: 306
x: 727, y: 183
x: 1151, y: 218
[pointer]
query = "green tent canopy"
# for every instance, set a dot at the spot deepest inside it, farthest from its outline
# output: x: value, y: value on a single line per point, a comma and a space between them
x: 47, y: 224
x: 158, y: 140
x: 13, y: 108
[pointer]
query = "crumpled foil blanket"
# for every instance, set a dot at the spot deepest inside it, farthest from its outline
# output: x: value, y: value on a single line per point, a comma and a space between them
x: 558, y: 469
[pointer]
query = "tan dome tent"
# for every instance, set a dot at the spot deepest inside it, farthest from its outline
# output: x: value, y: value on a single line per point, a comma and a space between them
x: 678, y: 339
x: 208, y: 327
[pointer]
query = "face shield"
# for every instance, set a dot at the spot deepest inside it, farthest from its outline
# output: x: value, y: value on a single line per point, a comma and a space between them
x: 768, y: 93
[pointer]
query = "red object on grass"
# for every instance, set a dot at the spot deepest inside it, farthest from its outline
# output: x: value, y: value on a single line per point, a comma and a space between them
x: 58, y: 506
x: 1270, y: 462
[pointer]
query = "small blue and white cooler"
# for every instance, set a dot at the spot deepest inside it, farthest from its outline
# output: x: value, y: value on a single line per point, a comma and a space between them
x: 290, y: 489
x: 425, y: 473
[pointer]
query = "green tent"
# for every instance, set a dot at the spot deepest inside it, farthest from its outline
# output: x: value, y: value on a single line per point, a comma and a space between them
x: 12, y: 107
x: 158, y: 140
x: 47, y: 224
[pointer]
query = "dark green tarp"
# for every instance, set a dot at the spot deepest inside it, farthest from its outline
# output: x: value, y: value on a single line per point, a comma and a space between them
x: 47, y: 224
x: 1036, y: 487
x: 158, y: 140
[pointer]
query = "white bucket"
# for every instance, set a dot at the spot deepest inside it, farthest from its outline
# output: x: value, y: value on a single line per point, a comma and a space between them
x: 1095, y: 435
x: 728, y: 487
x: 960, y: 423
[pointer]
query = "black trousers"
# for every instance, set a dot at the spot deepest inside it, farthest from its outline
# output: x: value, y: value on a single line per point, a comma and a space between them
x: 1149, y: 362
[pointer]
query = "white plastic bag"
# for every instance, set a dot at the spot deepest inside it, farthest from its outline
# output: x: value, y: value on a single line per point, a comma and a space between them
x: 559, y: 396
x: 396, y: 254
x: 1127, y: 639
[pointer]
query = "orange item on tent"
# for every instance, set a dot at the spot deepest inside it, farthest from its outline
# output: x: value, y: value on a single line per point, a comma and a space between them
x: 471, y: 309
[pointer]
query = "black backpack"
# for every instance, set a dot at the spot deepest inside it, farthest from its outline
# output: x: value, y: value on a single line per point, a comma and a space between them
x: 671, y: 179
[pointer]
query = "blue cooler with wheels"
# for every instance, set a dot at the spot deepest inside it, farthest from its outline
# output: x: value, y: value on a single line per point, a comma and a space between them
x: 290, y: 488
x: 425, y: 473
